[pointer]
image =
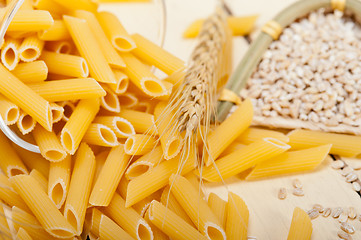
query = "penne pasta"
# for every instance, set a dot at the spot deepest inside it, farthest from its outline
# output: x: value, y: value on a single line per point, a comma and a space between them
x: 57, y: 112
x: 342, y: 144
x: 9, y: 112
x: 33, y: 104
x: 144, y: 106
x: 65, y: 64
x: 30, y: 21
x: 50, y: 5
x: 139, y: 144
x: 88, y: 47
x: 121, y: 84
x: 291, y: 162
x: 78, y: 123
x: 237, y: 217
x: 253, y: 134
x: 31, y: 72
x: 171, y: 224
x: 157, y: 233
x: 10, y: 163
x: 109, y: 177
x: 56, y: 32
x: 121, y: 127
x: 43, y: 182
x: 63, y: 46
x: 115, y: 32
x: 95, y: 221
x: 28, y: 222
x: 59, y: 177
x: 79, y: 188
x: 79, y: 4
x: 243, y: 159
x: 68, y: 109
x: 10, y: 53
x: 22, y: 234
x: 170, y: 138
x: 101, y: 135
x: 157, y: 177
x: 219, y: 208
x: 109, y: 230
x: 108, y: 50
x: 144, y: 163
x: 229, y: 130
x: 127, y: 100
x: 4, y: 226
x: 68, y: 89
x: 231, y: 148
x: 141, y: 121
x: 176, y: 78
x: 110, y: 101
x: 30, y: 48
x: 239, y: 26
x: 196, y: 208
x: 42, y: 207
x: 301, y: 226
x: 128, y: 219
x: 25, y: 123
x: 49, y: 144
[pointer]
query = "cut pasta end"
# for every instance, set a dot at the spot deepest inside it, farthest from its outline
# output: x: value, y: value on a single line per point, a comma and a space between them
x: 29, y: 54
x: 144, y: 231
x: 110, y: 102
x: 108, y: 136
x: 137, y: 169
x: 123, y: 128
x: 172, y: 148
x: 122, y: 86
x: 84, y: 68
x: 61, y: 232
x: 57, y: 193
x: 123, y: 43
x: 276, y: 142
x: 26, y: 123
x: 64, y: 47
x: 10, y: 57
x: 213, y: 231
x: 54, y: 155
x: 67, y: 141
x: 155, y: 88
x: 57, y: 112
x: 127, y: 100
x: 15, y: 170
x: 73, y: 219
x: 12, y: 115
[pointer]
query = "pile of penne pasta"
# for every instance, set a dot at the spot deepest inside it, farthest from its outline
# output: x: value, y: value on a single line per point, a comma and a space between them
x: 75, y: 83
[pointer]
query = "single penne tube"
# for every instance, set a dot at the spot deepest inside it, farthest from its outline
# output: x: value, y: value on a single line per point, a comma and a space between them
x: 30, y: 49
x: 196, y: 208
x: 109, y: 177
x: 142, y: 77
x: 291, y: 162
x: 115, y: 32
x: 120, y: 126
x: 101, y: 135
x: 88, y: 47
x: 237, y: 217
x: 253, y: 134
x: 79, y: 188
x: 243, y: 159
x: 78, y: 123
x: 96, y: 215
x: 10, y: 163
x: 110, y: 54
x: 10, y: 53
x: 241, y: 25
x: 169, y: 201
x: 68, y: 109
x: 31, y: 72
x: 170, y: 137
x: 219, y: 208
x: 100, y: 159
x: 56, y: 32
x: 25, y: 220
x: 25, y: 123
x: 110, y: 101
x: 194, y: 180
x: 68, y: 89
x: 157, y: 233
x: 62, y: 46
x: 79, y: 4
x: 9, y: 196
x: 9, y: 112
x: 65, y: 64
x: 42, y: 207
x: 58, y: 184
x: 171, y: 224
x: 22, y: 234
x: 141, y: 121
x: 49, y: 144
x: 29, y: 101
x: 43, y: 182
x: 57, y: 112
x: 32, y: 160
x: 139, y: 144
x: 128, y: 219
x: 157, y: 177
x: 342, y: 144
x: 127, y: 100
x: 301, y: 226
x: 121, y: 84
x: 144, y: 163
x: 30, y: 21
x: 231, y: 148
x: 229, y: 130
x: 109, y: 230
x: 50, y: 5
x: 152, y: 54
